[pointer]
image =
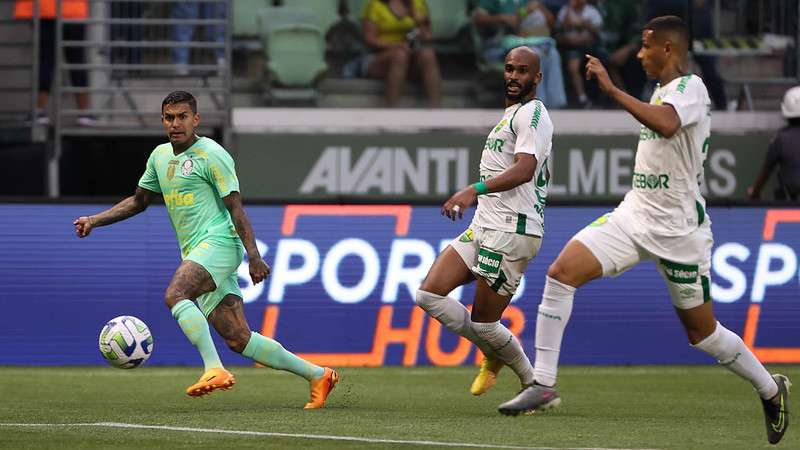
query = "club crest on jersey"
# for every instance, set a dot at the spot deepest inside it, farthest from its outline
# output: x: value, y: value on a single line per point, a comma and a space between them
x: 187, y: 167
x: 171, y: 169
x: 467, y: 236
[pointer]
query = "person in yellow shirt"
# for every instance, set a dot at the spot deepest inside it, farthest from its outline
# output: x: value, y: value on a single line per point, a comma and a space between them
x: 398, y: 34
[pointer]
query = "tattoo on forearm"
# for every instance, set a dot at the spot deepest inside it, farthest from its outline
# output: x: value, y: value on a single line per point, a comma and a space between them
x: 245, y: 230
x: 121, y: 211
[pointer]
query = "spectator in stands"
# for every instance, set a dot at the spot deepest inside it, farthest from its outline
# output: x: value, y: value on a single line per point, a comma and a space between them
x: 186, y: 33
x: 579, y: 26
x: 621, y: 39
x: 70, y: 9
x: 783, y: 152
x: 702, y: 28
x: 506, y: 24
x: 536, y: 20
x: 398, y: 34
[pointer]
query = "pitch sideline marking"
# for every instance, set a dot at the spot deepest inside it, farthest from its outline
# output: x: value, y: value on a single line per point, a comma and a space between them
x: 286, y: 435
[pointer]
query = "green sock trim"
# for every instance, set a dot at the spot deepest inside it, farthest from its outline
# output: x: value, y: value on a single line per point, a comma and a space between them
x: 194, y: 325
x: 271, y: 353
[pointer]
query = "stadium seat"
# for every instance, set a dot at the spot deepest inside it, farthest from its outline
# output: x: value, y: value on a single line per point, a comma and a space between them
x: 296, y: 59
x: 447, y: 18
x: 326, y: 12
x: 276, y: 16
x: 245, y: 17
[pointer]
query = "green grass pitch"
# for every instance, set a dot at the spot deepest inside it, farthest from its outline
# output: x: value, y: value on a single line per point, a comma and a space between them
x: 603, y: 407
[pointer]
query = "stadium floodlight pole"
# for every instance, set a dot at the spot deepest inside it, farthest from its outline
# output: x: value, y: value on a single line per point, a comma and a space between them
x: 53, y: 163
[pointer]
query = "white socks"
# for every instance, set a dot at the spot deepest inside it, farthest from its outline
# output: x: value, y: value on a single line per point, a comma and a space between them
x: 554, y: 312
x: 729, y: 350
x: 453, y: 315
x: 507, y: 348
x: 494, y: 339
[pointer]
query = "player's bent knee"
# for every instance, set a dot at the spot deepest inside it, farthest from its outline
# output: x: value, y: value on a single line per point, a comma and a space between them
x: 426, y: 299
x: 559, y: 272
x: 171, y: 298
x: 238, y: 341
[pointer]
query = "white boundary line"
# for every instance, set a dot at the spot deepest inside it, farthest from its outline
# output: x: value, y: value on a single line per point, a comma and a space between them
x: 285, y: 435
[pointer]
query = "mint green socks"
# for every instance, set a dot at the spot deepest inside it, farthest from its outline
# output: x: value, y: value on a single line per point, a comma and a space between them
x: 271, y: 353
x: 195, y: 327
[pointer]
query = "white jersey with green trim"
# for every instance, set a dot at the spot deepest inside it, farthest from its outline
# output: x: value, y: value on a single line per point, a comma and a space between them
x: 666, y: 198
x: 524, y: 128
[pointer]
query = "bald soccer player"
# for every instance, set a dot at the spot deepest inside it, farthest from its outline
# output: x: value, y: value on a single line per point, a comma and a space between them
x: 506, y: 231
x: 663, y: 219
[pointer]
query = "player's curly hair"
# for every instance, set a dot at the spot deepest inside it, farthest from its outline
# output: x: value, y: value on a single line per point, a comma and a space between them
x: 176, y: 97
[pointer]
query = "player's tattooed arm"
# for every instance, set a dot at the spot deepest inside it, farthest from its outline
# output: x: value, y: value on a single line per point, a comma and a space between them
x: 129, y: 207
x: 258, y: 268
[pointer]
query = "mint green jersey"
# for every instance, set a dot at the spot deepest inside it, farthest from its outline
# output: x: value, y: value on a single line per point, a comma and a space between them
x: 193, y: 185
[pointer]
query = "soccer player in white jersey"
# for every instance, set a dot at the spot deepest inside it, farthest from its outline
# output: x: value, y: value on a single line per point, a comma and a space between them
x: 662, y: 218
x: 506, y: 231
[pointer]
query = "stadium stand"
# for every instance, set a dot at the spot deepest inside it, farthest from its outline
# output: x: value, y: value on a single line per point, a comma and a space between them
x: 19, y: 49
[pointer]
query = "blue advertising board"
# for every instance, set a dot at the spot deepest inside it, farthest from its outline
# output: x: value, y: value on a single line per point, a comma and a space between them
x: 343, y: 281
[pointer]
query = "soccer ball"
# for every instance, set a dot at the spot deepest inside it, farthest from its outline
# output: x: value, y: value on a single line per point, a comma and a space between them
x: 126, y: 342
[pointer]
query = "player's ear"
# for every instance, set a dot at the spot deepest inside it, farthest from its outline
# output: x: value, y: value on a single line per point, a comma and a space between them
x: 196, y: 119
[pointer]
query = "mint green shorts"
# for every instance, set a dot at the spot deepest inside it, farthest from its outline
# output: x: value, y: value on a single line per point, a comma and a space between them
x: 220, y: 258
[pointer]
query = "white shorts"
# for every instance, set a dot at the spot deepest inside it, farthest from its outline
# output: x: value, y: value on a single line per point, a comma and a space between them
x: 499, y: 257
x: 683, y: 261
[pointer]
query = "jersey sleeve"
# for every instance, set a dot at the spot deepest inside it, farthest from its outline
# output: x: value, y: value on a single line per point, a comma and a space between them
x: 221, y: 172
x: 149, y: 179
x: 689, y: 101
x: 525, y: 125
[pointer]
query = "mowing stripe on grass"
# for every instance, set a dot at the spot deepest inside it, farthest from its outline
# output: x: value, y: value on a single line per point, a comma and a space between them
x: 284, y: 435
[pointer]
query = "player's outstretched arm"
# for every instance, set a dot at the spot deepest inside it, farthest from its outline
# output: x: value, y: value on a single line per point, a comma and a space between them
x: 520, y: 172
x: 259, y: 269
x: 129, y: 207
x: 663, y: 119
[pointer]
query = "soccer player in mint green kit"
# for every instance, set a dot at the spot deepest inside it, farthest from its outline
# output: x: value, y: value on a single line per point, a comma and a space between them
x: 197, y: 179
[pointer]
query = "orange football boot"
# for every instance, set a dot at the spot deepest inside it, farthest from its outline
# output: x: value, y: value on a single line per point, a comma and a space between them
x: 321, y: 388
x: 212, y: 379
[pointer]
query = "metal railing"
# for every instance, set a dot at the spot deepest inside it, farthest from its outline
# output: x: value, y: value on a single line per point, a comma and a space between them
x: 130, y: 47
x: 19, y: 68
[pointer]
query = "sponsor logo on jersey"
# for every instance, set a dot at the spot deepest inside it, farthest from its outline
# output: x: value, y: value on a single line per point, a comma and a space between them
x: 494, y: 144
x: 174, y: 199
x: 646, y: 134
x: 489, y: 261
x: 680, y: 273
x: 650, y: 181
